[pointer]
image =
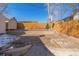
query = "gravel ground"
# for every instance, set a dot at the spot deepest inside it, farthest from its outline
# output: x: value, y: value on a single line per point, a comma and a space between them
x: 50, y: 43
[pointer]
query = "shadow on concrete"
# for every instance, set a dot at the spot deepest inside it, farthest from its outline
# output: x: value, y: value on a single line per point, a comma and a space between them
x: 38, y: 48
x: 16, y: 32
x: 19, y: 31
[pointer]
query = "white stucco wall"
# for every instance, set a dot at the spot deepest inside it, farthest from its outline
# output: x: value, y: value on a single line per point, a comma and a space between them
x: 76, y: 17
x: 2, y: 27
x: 2, y: 24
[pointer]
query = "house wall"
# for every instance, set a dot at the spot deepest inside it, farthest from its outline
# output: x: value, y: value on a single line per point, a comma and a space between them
x: 2, y: 23
x: 12, y: 24
x: 2, y: 26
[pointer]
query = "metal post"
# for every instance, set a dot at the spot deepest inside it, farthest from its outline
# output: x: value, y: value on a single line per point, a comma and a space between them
x: 49, y: 16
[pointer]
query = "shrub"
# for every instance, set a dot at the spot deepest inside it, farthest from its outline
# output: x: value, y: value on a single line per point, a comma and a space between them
x: 52, y: 25
x: 47, y: 26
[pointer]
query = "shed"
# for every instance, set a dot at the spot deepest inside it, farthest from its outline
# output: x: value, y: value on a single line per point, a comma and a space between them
x: 12, y: 24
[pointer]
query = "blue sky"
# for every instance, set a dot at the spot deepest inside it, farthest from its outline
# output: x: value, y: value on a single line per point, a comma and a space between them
x: 27, y: 12
x: 36, y: 11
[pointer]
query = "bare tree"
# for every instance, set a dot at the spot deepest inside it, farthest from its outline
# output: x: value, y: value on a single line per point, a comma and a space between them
x: 73, y: 6
x: 3, y: 7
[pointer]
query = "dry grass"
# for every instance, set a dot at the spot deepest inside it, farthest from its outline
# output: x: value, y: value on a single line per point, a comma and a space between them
x: 68, y: 27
